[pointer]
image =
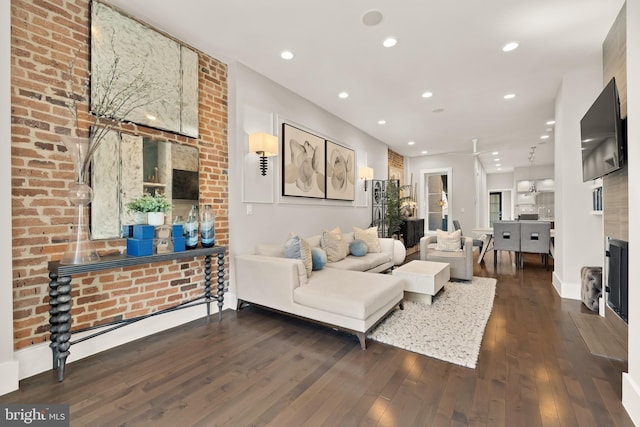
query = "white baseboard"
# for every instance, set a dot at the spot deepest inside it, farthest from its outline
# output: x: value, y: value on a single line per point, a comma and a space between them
x: 8, y: 376
x: 631, y: 397
x: 38, y: 358
x: 566, y: 290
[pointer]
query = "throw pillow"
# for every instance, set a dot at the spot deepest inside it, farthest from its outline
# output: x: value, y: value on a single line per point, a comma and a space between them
x: 333, y: 245
x: 318, y: 258
x: 358, y: 248
x: 298, y: 248
x: 448, y: 242
x: 369, y: 236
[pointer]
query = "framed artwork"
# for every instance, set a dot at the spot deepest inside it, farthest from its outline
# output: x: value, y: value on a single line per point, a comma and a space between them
x: 302, y: 163
x: 340, y: 172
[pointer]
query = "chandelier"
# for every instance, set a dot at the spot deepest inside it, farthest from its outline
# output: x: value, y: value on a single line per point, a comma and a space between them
x: 532, y: 184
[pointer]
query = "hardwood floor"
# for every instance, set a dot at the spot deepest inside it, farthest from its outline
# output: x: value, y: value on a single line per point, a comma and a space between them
x: 261, y: 368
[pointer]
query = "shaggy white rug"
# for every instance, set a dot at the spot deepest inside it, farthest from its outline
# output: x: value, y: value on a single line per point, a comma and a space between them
x: 450, y: 329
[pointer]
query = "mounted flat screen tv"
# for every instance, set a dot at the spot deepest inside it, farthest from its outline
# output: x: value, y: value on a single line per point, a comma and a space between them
x: 602, y: 135
x: 185, y: 185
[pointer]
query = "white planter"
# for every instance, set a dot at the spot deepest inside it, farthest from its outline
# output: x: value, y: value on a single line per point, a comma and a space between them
x: 139, y: 217
x: 156, y: 218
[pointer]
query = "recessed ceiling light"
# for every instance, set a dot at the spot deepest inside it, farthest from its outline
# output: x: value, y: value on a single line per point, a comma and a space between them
x: 498, y: 165
x: 371, y: 18
x: 551, y: 122
x: 495, y: 153
x: 343, y: 95
x: 496, y: 160
x: 424, y: 152
x: 382, y: 122
x: 510, y: 96
x: 544, y: 137
x: 510, y: 46
x: 411, y: 142
x: 286, y: 54
x: 389, y: 42
x: 427, y: 94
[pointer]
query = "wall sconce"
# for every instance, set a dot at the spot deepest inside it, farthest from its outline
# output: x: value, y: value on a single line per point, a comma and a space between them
x: 365, y: 173
x: 264, y: 145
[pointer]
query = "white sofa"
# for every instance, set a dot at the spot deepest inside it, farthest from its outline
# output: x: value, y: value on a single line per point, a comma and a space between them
x: 336, y: 295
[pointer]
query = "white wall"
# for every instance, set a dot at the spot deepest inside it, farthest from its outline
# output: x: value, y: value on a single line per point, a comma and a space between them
x: 8, y: 367
x: 462, y: 188
x: 261, y: 105
x: 631, y: 381
x: 578, y: 238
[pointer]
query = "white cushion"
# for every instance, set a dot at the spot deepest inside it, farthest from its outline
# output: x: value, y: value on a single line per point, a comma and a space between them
x: 448, y: 242
x: 334, y: 245
x: 364, y: 263
x: 369, y: 236
x: 348, y: 293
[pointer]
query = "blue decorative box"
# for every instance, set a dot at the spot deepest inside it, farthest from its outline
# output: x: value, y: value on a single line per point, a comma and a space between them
x: 140, y: 247
x: 144, y: 232
x: 179, y: 244
x: 177, y: 230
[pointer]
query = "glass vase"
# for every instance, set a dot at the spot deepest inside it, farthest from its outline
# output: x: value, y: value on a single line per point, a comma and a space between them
x: 80, y: 249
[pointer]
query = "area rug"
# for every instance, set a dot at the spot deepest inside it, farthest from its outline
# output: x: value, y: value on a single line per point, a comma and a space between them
x: 450, y: 329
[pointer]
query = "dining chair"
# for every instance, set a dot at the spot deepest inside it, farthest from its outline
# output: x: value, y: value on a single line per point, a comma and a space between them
x: 506, y: 237
x: 535, y: 237
x: 476, y: 242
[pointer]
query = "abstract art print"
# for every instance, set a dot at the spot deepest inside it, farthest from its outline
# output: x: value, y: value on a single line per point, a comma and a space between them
x: 303, y: 163
x: 340, y: 172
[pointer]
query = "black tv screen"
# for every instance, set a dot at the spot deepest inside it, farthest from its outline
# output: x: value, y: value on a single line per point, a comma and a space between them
x: 602, y: 135
x: 185, y: 185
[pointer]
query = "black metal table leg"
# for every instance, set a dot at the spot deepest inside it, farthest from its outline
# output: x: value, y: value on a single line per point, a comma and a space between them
x: 53, y: 317
x: 62, y: 324
x: 220, y: 296
x: 207, y: 284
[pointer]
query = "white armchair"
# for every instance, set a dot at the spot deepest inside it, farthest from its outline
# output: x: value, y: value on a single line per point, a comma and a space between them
x: 460, y: 262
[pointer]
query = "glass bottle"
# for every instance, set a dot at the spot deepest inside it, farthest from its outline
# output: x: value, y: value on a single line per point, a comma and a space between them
x: 191, y: 228
x: 207, y: 230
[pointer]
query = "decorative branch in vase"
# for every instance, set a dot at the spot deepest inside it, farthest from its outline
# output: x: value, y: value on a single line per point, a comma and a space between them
x: 116, y: 93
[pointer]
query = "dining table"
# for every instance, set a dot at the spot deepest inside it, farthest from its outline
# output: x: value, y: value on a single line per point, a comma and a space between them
x: 486, y: 235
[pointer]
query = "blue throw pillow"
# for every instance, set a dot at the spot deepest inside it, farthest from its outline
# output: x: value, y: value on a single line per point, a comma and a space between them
x: 358, y: 248
x: 318, y: 258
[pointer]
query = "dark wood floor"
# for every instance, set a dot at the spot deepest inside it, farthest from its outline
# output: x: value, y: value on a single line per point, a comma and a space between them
x: 260, y: 368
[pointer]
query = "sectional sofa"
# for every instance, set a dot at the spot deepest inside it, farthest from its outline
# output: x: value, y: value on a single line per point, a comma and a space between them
x: 345, y: 294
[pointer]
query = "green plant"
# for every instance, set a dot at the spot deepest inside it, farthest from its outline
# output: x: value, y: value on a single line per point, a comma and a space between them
x: 393, y: 217
x: 149, y: 203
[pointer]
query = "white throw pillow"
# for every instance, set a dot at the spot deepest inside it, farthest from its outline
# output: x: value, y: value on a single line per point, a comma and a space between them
x: 369, y: 236
x: 333, y: 245
x: 448, y: 242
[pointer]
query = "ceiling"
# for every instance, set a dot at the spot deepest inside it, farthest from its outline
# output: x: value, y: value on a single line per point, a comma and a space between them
x: 451, y: 50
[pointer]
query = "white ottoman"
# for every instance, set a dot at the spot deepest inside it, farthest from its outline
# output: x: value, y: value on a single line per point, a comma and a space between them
x: 423, y: 279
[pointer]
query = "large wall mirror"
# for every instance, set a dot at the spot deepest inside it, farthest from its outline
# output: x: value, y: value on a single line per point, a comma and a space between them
x: 125, y: 167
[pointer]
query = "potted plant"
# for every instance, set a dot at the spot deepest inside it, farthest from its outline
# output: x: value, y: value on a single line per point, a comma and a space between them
x: 154, y: 206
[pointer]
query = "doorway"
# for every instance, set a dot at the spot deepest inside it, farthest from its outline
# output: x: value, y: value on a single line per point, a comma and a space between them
x: 495, y: 207
x: 436, y: 184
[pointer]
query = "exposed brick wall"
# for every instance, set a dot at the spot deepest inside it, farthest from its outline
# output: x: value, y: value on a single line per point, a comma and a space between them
x: 45, y: 35
x: 395, y: 160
